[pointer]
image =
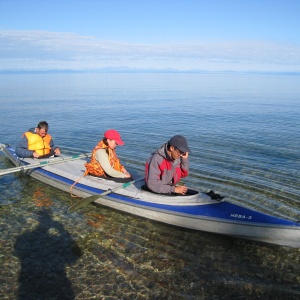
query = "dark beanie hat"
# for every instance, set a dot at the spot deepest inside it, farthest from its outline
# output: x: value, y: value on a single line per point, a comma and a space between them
x: 179, y: 142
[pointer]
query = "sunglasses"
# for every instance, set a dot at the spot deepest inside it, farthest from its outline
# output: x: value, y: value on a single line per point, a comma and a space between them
x: 180, y: 152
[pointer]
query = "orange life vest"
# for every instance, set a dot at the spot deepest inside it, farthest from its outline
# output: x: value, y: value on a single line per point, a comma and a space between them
x: 39, y: 144
x: 94, y: 167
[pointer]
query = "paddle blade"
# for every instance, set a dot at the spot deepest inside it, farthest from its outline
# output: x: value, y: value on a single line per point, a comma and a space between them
x: 82, y: 203
x: 88, y: 200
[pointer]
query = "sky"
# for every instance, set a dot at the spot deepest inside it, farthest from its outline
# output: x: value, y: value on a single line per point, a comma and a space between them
x: 179, y: 35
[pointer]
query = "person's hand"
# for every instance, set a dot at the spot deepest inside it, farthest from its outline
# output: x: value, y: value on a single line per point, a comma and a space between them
x: 127, y: 175
x: 35, y: 154
x: 57, y: 151
x: 186, y: 155
x: 181, y: 189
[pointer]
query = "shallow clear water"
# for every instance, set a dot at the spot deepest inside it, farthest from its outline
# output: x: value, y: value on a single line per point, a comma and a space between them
x: 244, y: 135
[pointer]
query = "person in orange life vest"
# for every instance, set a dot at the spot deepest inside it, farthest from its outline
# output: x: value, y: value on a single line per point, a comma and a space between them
x: 167, y: 166
x: 37, y: 143
x: 104, y: 161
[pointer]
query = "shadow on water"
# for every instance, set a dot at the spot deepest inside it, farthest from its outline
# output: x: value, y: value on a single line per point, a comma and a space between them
x: 44, y: 254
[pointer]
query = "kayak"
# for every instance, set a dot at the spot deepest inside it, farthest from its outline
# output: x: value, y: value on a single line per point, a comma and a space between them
x: 195, y: 210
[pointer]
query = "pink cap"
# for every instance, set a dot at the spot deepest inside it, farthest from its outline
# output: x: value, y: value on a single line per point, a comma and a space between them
x: 114, y: 135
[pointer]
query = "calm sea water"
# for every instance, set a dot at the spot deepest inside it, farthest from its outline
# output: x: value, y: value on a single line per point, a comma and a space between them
x: 244, y: 134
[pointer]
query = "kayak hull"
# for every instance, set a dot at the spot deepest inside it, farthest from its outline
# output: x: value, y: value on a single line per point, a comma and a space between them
x: 196, y: 211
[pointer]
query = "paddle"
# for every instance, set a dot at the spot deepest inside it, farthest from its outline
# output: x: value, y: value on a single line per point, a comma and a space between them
x: 85, y: 201
x: 44, y: 163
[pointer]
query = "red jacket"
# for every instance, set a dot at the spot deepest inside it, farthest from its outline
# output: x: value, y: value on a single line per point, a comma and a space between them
x: 162, y: 172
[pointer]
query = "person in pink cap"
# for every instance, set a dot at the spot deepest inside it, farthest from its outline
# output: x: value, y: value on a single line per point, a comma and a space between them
x: 104, y: 161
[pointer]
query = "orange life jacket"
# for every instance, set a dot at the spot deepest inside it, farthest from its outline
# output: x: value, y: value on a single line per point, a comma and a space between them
x: 94, y: 167
x: 39, y: 144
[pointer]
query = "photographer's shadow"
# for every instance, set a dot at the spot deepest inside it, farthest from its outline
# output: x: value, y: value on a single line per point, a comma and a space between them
x: 44, y: 254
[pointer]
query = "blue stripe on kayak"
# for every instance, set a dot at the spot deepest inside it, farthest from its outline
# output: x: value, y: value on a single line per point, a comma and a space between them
x: 223, y: 210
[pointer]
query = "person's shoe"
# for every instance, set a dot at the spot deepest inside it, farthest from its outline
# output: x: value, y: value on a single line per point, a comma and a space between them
x: 214, y: 196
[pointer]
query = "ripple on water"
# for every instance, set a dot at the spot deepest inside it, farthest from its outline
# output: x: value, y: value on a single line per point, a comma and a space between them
x: 244, y: 140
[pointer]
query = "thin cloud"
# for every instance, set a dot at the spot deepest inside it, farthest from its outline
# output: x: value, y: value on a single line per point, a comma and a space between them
x: 50, y: 50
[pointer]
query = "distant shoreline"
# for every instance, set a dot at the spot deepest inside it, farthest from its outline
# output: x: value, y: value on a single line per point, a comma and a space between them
x: 149, y: 71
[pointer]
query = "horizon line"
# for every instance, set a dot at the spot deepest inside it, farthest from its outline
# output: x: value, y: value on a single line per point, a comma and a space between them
x: 129, y: 70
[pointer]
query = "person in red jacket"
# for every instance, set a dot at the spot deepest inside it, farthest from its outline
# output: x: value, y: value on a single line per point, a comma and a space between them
x: 167, y: 166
